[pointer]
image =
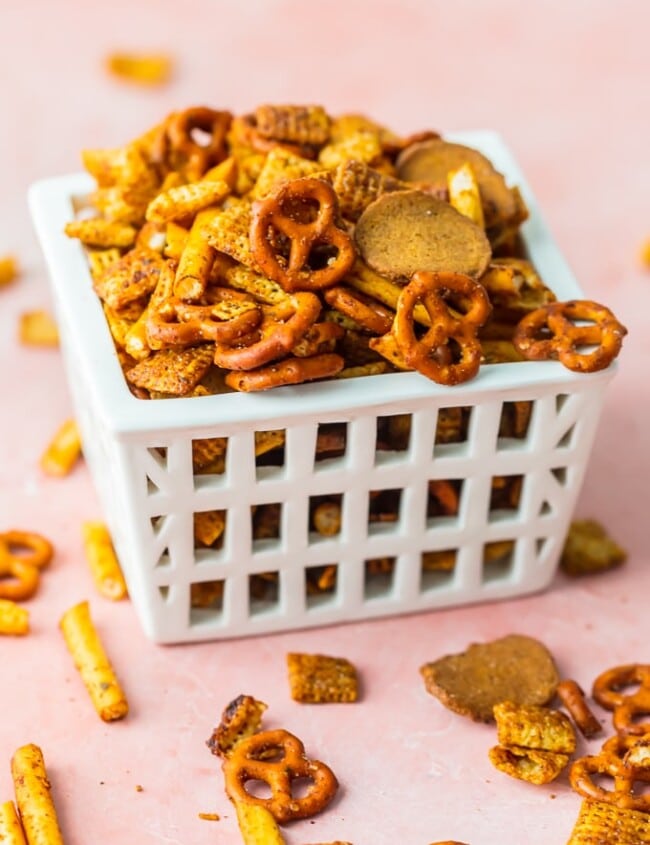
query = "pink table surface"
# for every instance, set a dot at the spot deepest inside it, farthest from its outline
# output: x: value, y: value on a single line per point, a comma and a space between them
x: 568, y: 86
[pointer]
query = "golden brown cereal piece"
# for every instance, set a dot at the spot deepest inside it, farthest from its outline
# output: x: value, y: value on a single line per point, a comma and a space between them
x: 130, y: 279
x: 8, y: 269
x: 209, y: 526
x: 360, y: 146
x: 531, y: 726
x: 514, y: 668
x: 100, y: 259
x: 11, y: 830
x: 573, y: 698
x: 430, y: 161
x: 386, y: 345
x: 404, y: 232
x: 529, y: 764
x: 281, y: 166
x: 37, y: 328
x: 102, y: 233
x: 257, y: 825
x: 206, y: 594
x: 171, y: 371
x: 205, y: 451
x: 588, y: 549
x: 63, y: 450
x: 102, y: 561
x: 295, y: 124
x: 91, y: 661
x: 33, y: 797
x: 229, y: 232
x: 320, y: 679
x: 240, y: 719
x: 464, y: 193
x: 357, y: 185
x: 14, y: 621
x: 442, y: 561
x: 141, y: 68
x: 374, y: 368
x: 259, y: 287
x: 186, y: 200
x: 118, y: 325
x: 601, y: 823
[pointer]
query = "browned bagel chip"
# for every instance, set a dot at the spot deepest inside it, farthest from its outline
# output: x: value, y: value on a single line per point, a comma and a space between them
x: 406, y: 231
x: 430, y: 161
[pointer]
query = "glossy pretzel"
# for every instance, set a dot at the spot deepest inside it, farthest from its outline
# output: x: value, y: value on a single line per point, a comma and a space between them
x: 364, y: 310
x: 279, y: 212
x: 551, y: 332
x: 288, y: 371
x: 608, y: 691
x: 429, y: 354
x: 283, y: 325
x: 624, y: 778
x: 176, y: 324
x: 22, y: 555
x: 278, y: 758
x: 198, y: 157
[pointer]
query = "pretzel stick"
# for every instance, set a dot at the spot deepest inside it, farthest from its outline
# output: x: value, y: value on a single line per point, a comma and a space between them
x: 94, y: 666
x: 104, y: 565
x: 257, y: 825
x: 13, y: 620
x: 62, y: 451
x: 35, y: 805
x: 11, y: 831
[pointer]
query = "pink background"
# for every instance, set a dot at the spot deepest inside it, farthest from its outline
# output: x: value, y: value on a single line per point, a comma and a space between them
x: 568, y: 86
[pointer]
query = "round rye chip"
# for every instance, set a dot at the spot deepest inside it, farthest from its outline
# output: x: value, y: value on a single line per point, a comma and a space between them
x: 430, y: 162
x: 515, y: 668
x: 403, y: 232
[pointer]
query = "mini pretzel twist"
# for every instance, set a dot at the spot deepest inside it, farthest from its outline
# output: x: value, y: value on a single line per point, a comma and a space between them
x: 624, y: 776
x: 176, y: 323
x: 281, y: 211
x: 283, y: 325
x: 181, y: 127
x: 607, y: 691
x: 249, y: 761
x: 22, y: 555
x: 430, y: 354
x: 551, y: 332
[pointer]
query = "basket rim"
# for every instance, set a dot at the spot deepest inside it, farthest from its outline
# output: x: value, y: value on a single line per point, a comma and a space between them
x: 86, y: 334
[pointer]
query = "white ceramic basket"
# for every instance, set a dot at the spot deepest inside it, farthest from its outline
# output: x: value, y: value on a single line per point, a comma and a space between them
x: 140, y: 456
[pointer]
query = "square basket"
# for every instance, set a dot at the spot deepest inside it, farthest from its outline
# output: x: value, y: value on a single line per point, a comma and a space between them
x: 140, y: 457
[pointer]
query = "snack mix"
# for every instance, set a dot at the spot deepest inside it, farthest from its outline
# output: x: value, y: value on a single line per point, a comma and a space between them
x: 285, y: 245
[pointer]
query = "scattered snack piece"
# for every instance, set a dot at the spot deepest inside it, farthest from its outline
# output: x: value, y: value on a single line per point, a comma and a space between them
x: 529, y: 764
x: 588, y: 549
x: 14, y: 621
x: 645, y: 254
x: 626, y: 691
x: 603, y: 823
x: 22, y: 556
x: 139, y: 788
x: 591, y: 775
x: 257, y: 825
x: 141, y: 68
x: 240, y: 719
x: 63, y: 450
x: 531, y: 726
x: 514, y: 668
x: 11, y: 830
x: 278, y: 758
x: 8, y: 269
x: 103, y: 563
x: 92, y: 663
x: 319, y: 679
x: 210, y: 817
x: 448, y: 842
x: 37, y: 328
x: 33, y: 797
x: 573, y: 698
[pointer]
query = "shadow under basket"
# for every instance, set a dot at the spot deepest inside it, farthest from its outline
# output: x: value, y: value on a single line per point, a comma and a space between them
x: 377, y: 496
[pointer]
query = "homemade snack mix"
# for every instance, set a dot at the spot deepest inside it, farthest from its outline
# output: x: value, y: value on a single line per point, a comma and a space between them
x: 284, y: 246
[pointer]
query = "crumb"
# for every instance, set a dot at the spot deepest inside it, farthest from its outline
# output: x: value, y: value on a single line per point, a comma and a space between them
x: 210, y: 817
x: 139, y: 788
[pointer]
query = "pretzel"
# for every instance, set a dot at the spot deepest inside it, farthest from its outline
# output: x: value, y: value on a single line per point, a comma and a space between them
x: 180, y: 130
x: 431, y: 289
x: 364, y: 310
x: 279, y: 210
x: 176, y: 323
x: 20, y: 572
x: 283, y: 325
x: 573, y: 699
x: 34, y: 797
x: 622, y: 796
x: 288, y: 371
x: 288, y: 763
x: 607, y: 692
x: 531, y: 337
